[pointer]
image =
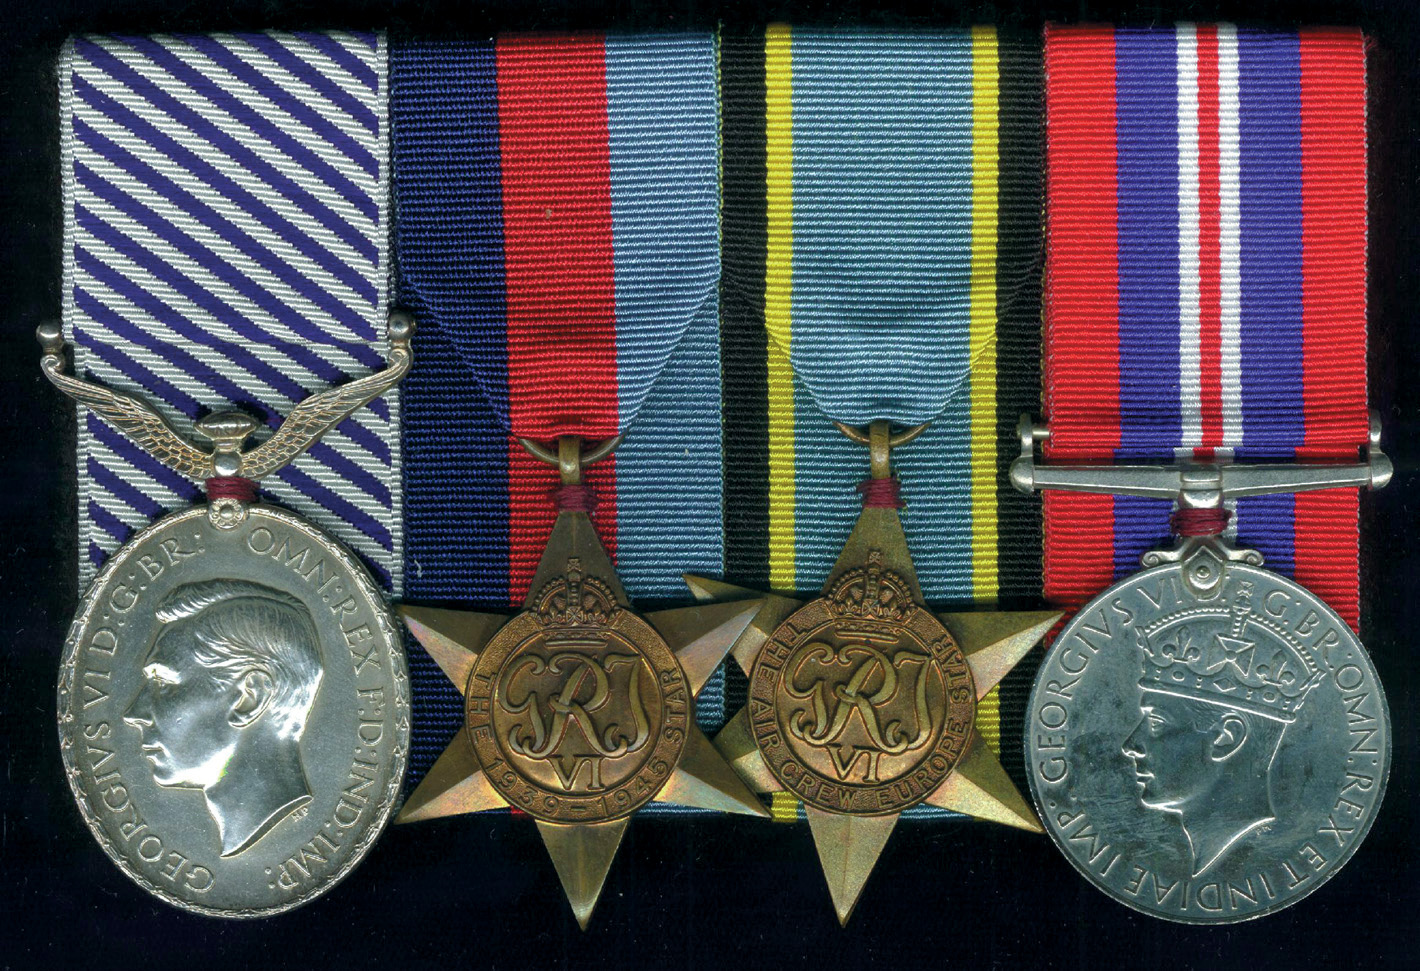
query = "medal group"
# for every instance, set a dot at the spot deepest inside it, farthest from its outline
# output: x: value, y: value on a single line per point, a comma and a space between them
x: 698, y: 459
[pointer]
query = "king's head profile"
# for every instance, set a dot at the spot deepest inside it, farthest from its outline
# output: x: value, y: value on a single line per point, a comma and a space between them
x: 1218, y: 690
x: 228, y: 686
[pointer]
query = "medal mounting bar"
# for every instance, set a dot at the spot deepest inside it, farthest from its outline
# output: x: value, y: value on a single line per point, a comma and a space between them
x: 227, y: 454
x: 1201, y: 485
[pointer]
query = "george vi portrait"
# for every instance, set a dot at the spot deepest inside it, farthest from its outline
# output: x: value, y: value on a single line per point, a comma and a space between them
x: 228, y: 685
x: 1212, y: 719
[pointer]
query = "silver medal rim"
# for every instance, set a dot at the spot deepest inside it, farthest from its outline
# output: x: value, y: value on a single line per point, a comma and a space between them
x: 1039, y: 804
x: 399, y: 680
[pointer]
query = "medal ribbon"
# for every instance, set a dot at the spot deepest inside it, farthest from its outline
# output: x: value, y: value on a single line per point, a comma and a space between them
x: 558, y: 240
x: 881, y: 247
x: 225, y: 245
x: 1206, y: 283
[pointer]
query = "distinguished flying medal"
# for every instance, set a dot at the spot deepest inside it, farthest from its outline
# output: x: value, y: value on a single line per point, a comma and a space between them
x: 862, y: 206
x: 567, y: 261
x: 233, y: 702
x: 1207, y: 738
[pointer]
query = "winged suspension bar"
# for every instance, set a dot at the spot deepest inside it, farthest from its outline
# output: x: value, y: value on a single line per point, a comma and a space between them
x: 226, y: 432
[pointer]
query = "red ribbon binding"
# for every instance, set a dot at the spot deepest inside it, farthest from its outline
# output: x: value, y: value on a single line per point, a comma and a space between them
x: 230, y: 487
x: 881, y: 494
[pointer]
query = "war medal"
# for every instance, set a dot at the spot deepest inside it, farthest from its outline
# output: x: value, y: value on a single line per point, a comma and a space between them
x: 233, y: 702
x: 1241, y: 710
x: 1207, y: 739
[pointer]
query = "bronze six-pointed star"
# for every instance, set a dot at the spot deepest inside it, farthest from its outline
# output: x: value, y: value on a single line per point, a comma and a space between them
x: 862, y: 702
x: 579, y: 711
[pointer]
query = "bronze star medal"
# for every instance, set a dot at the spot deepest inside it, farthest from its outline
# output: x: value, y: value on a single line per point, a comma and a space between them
x: 579, y: 711
x: 862, y: 703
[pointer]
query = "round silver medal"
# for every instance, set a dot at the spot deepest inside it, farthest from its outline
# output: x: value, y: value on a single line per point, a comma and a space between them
x: 234, y: 710
x: 1207, y: 741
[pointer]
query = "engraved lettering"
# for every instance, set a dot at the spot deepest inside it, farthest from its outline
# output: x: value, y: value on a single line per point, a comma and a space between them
x: 1053, y: 770
x: 1241, y: 892
x: 173, y: 550
x: 123, y: 598
x: 1357, y: 781
x: 1361, y: 745
x: 200, y: 879
x: 1338, y: 832
x: 1103, y: 631
x: 1209, y: 897
x: 1162, y: 890
x: 1068, y: 655
x: 103, y: 641
x: 92, y: 693
x: 1349, y: 678
x: 1312, y: 857
x: 293, y: 559
x: 1136, y: 875
x: 260, y: 540
x: 1353, y: 706
x: 1276, y: 603
x: 1166, y: 591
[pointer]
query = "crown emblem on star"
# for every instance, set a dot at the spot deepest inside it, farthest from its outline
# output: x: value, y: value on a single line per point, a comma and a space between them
x: 574, y: 602
x: 871, y: 593
x: 1227, y: 658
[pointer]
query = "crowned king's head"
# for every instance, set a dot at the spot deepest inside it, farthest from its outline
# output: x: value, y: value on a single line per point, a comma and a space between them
x: 1228, y: 657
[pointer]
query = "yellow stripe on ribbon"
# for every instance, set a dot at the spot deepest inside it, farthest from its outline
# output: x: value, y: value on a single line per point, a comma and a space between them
x: 783, y: 807
x: 778, y: 289
x: 985, y: 128
x: 778, y: 318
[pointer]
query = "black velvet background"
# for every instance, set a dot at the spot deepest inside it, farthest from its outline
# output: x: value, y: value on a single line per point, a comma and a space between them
x: 479, y: 892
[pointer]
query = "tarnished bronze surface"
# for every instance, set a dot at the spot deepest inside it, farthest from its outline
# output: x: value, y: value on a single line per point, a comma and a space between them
x: 863, y: 703
x: 578, y: 710
x: 577, y: 705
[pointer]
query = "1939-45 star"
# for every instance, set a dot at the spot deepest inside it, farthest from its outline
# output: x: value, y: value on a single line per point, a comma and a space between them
x: 579, y: 711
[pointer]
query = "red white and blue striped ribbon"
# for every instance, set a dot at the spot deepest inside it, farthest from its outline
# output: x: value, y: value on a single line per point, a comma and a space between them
x: 226, y: 245
x: 1206, y: 282
x: 558, y: 241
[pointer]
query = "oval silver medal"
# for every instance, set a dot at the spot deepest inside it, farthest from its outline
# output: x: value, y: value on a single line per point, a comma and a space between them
x: 234, y: 711
x: 233, y: 697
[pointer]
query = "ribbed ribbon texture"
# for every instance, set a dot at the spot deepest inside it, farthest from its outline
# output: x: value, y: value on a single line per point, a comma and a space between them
x: 225, y: 234
x: 1206, y: 283
x: 882, y: 249
x: 558, y: 241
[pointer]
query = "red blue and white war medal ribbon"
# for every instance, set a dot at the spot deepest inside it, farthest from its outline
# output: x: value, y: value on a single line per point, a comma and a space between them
x: 1206, y: 284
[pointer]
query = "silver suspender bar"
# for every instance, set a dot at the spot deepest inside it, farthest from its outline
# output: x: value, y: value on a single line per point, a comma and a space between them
x: 1200, y: 485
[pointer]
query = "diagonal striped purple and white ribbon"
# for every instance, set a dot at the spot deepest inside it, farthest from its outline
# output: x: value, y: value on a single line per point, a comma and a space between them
x: 226, y: 243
